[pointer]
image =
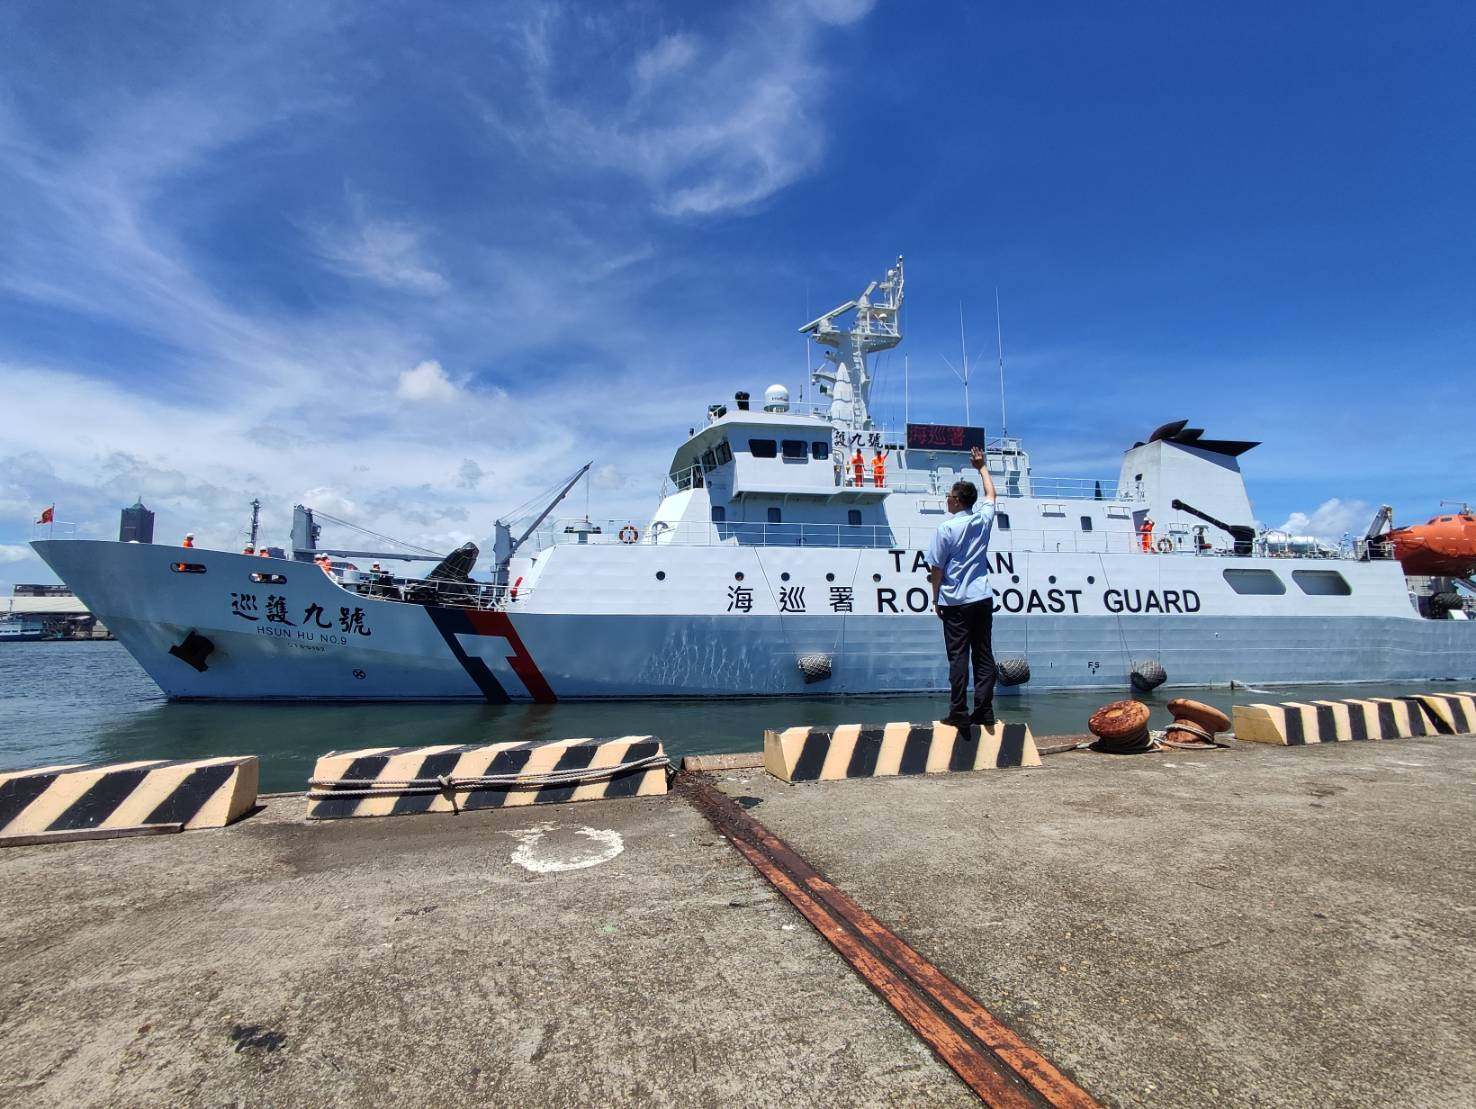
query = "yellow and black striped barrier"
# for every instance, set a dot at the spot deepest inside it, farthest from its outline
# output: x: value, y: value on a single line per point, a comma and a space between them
x: 1298, y: 723
x: 1451, y: 713
x: 69, y: 801
x: 394, y: 781
x: 806, y: 754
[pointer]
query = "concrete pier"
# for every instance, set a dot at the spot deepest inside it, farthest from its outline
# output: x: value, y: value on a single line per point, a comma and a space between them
x: 1248, y: 926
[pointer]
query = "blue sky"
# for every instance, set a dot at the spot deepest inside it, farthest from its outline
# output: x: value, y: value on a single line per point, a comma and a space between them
x: 410, y: 263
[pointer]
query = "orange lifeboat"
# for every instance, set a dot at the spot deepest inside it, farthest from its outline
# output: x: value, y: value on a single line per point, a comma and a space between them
x: 1445, y: 547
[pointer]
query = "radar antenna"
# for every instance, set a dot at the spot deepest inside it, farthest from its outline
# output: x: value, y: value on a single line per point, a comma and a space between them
x: 877, y: 326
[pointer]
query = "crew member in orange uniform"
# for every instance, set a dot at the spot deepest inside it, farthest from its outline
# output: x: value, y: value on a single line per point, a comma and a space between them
x: 858, y: 467
x: 189, y: 539
x: 1145, y: 534
x: 879, y: 469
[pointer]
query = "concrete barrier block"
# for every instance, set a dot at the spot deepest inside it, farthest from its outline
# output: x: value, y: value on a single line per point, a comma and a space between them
x: 394, y: 781
x: 1401, y: 717
x: 1290, y: 723
x: 1451, y: 713
x: 195, y: 793
x: 1295, y: 723
x: 807, y: 754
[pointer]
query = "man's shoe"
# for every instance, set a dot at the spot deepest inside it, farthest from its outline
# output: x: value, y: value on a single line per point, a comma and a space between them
x: 962, y: 723
x: 983, y: 717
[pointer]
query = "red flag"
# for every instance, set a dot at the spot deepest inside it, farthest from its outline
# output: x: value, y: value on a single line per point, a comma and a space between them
x: 48, y: 515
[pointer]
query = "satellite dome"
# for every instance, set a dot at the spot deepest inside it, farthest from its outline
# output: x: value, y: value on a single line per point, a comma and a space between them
x: 776, y: 399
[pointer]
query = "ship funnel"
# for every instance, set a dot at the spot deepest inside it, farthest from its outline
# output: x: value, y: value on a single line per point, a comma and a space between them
x: 776, y: 399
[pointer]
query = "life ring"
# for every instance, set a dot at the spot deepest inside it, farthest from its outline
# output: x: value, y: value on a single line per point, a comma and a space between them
x: 1165, y: 545
x: 628, y: 534
x: 513, y: 592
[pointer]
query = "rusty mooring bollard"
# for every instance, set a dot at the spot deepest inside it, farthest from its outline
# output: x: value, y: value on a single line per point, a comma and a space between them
x: 1121, y: 728
x: 1195, y: 723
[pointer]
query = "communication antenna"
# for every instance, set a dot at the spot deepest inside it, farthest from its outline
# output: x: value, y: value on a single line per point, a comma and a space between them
x: 1004, y: 423
x: 964, y: 377
x: 255, y: 519
x: 906, y: 391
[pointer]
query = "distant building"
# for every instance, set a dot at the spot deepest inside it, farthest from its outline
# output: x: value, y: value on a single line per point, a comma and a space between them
x: 23, y: 590
x: 137, y: 524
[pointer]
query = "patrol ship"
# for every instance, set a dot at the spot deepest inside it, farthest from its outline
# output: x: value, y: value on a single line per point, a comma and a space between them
x: 782, y: 559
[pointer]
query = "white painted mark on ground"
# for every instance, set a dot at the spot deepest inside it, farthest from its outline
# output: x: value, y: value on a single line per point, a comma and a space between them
x: 541, y: 852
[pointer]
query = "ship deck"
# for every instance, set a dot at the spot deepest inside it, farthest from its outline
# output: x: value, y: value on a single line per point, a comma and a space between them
x: 1190, y: 928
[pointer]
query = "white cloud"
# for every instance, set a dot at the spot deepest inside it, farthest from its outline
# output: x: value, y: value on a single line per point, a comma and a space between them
x: 469, y: 474
x: 608, y: 476
x: 14, y: 552
x: 840, y: 11
x: 389, y: 252
x: 426, y: 382
x: 670, y: 56
x: 713, y: 124
x: 1331, y: 519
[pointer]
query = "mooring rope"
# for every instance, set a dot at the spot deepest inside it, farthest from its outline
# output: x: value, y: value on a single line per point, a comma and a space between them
x: 446, y: 783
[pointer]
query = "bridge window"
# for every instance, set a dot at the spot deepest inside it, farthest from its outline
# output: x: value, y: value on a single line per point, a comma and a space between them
x: 1086, y: 523
x: 1322, y: 583
x: 719, y: 514
x: 1255, y: 583
x: 763, y: 448
x: 820, y: 451
x: 775, y: 516
x: 796, y: 448
x: 709, y: 461
x: 853, y: 517
x: 724, y: 453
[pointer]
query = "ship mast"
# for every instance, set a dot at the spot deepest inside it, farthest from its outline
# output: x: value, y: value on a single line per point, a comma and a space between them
x: 877, y: 326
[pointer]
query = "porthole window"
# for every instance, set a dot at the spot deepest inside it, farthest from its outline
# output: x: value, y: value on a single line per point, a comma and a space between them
x: 269, y: 579
x: 876, y: 577
x: 830, y: 577
x: 1322, y: 583
x: 1255, y: 583
x: 187, y: 568
x: 763, y: 448
x: 738, y: 576
x: 660, y: 575
x: 784, y: 576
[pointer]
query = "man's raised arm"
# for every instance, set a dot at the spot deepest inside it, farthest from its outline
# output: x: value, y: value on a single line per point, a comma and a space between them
x: 976, y: 458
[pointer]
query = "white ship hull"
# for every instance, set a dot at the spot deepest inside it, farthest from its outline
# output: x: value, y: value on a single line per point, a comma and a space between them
x: 542, y: 649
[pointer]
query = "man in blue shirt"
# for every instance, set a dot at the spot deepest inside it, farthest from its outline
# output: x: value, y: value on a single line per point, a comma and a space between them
x: 958, y: 564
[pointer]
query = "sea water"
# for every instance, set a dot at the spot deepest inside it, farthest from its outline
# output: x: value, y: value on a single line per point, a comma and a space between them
x: 67, y: 702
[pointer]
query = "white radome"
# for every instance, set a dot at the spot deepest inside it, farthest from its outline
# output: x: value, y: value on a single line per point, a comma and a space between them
x: 776, y: 399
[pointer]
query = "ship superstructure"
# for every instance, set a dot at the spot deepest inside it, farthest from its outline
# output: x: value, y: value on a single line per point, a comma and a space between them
x: 784, y: 556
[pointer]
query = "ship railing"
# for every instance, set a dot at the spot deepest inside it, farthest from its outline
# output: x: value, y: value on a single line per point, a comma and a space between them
x: 617, y: 532
x: 1009, y: 483
x: 450, y: 594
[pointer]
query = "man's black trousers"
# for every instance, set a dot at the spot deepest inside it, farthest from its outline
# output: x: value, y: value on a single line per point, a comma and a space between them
x: 967, y: 631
